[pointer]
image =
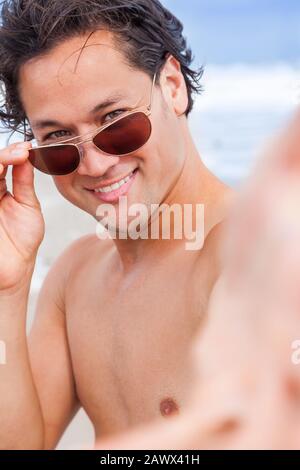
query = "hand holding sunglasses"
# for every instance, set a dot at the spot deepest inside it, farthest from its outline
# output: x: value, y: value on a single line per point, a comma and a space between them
x: 21, y: 222
x: 124, y: 135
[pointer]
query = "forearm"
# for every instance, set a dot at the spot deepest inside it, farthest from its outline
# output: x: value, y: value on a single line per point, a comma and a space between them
x: 20, y: 412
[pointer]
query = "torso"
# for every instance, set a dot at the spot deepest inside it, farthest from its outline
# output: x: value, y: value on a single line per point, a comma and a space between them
x: 130, y: 335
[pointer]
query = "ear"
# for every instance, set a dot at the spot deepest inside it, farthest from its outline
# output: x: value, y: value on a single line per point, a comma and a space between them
x: 173, y: 86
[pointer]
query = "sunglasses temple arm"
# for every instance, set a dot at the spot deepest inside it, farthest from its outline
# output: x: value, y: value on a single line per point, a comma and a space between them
x: 152, y: 91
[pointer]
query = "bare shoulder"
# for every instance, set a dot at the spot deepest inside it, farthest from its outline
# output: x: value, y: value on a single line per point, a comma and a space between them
x: 79, y: 250
x: 223, y: 209
x: 71, y: 260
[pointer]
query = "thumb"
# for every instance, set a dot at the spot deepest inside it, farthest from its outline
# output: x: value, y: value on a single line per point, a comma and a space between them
x: 23, y: 184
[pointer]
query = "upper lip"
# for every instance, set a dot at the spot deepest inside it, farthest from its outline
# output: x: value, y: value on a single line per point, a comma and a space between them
x: 109, y: 182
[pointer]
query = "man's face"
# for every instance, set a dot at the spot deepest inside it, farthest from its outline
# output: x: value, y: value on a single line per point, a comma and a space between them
x: 57, y: 88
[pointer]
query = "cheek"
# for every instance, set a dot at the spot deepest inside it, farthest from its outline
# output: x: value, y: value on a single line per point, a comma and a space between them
x: 64, y: 184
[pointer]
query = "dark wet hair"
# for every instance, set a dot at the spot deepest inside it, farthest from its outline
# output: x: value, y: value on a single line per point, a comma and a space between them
x: 144, y: 30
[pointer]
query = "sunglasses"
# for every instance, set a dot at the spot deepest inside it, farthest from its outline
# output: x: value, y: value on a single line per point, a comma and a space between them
x: 123, y: 135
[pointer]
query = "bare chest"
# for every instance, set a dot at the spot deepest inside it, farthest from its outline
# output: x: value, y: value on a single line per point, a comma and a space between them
x: 130, y: 348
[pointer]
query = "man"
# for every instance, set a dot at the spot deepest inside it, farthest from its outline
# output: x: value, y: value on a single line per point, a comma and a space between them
x: 115, y: 318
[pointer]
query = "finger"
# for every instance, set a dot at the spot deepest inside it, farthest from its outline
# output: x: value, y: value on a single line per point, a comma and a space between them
x: 3, y: 171
x: 23, y: 184
x: 277, y: 168
x: 15, y: 154
x: 3, y: 188
x: 288, y: 146
x: 281, y: 153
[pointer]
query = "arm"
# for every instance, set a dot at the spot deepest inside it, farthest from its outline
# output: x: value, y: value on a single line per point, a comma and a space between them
x: 36, y: 387
x: 21, y: 232
x: 20, y: 412
x: 50, y: 357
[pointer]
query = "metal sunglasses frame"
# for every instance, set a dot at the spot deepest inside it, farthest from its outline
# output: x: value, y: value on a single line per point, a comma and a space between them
x: 144, y: 109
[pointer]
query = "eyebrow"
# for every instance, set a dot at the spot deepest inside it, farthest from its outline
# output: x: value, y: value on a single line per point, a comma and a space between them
x: 109, y: 101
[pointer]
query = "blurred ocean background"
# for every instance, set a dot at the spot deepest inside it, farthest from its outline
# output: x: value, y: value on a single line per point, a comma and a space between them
x: 251, y: 53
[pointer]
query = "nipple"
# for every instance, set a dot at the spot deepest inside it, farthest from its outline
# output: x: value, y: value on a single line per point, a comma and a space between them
x: 168, y: 407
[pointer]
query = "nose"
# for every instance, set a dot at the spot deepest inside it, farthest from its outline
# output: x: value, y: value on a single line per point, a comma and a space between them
x: 93, y: 162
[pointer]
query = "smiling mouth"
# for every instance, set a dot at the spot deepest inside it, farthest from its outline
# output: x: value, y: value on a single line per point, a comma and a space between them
x: 113, y: 192
x: 113, y: 187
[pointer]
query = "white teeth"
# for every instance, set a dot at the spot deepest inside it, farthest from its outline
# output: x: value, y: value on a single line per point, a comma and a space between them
x: 105, y: 190
x: 114, y: 186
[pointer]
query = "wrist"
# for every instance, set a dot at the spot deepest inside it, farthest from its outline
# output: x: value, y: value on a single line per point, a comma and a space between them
x: 21, y: 287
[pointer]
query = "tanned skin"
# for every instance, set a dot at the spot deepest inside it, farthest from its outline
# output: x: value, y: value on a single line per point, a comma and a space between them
x: 115, y: 319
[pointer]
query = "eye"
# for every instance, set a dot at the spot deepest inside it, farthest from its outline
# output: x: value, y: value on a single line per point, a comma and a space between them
x: 56, y: 134
x: 113, y: 114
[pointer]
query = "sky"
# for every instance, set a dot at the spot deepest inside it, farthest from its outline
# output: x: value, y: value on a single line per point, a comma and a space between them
x: 258, y: 32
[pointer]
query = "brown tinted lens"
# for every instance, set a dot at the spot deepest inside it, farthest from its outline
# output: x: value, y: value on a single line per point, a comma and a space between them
x: 57, y: 160
x: 124, y: 136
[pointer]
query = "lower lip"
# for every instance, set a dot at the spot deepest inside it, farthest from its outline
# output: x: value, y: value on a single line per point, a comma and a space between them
x: 113, y: 196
